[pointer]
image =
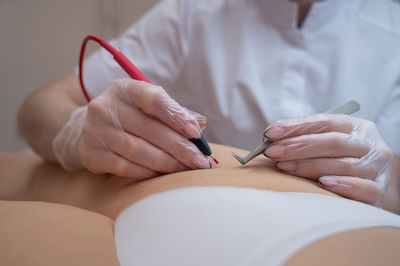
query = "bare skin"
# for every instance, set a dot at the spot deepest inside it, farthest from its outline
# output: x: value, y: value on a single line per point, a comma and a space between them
x: 304, y: 7
x: 36, y: 185
x: 46, y: 111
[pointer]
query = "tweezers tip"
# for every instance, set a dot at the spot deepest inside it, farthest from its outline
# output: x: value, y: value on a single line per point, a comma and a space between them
x: 237, y: 157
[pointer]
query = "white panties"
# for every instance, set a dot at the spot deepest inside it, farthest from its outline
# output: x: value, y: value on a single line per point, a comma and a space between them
x: 234, y: 226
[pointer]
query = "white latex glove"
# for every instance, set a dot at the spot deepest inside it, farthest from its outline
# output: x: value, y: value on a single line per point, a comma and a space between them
x: 345, y: 154
x: 133, y: 129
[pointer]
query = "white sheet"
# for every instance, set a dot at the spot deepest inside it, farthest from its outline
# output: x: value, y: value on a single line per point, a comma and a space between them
x: 233, y: 226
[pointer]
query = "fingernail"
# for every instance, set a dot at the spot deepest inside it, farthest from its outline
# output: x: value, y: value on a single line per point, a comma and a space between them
x: 265, y: 138
x: 200, y: 117
x: 192, y: 131
x: 274, y: 133
x: 201, y: 162
x: 275, y: 151
x: 287, y: 166
x: 202, y: 123
x: 266, y: 132
x: 328, y: 181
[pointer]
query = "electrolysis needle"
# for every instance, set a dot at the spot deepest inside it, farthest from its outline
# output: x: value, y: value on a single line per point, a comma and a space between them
x: 215, y: 160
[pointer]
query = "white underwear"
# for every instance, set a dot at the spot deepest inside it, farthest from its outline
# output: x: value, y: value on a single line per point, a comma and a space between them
x: 234, y: 226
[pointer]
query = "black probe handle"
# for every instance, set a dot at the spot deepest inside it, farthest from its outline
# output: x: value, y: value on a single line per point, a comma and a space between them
x: 202, y: 145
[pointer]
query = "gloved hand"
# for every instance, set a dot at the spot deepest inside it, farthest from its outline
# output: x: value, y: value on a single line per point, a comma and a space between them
x: 133, y: 129
x: 345, y: 154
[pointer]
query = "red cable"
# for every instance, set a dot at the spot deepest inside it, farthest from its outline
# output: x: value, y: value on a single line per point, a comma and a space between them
x: 119, y: 57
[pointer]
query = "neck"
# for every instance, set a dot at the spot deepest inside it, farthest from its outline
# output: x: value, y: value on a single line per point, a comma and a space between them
x: 304, y: 8
x: 304, y: 2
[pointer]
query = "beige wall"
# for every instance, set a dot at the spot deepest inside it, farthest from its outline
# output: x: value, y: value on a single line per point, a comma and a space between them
x: 40, y: 42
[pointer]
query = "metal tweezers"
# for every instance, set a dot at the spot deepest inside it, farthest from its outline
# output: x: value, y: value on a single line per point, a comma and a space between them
x: 347, y: 109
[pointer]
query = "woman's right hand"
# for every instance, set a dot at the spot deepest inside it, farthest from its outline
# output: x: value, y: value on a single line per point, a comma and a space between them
x: 133, y: 129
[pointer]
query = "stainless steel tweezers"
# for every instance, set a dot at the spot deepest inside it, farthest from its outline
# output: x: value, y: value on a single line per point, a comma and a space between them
x: 347, y: 109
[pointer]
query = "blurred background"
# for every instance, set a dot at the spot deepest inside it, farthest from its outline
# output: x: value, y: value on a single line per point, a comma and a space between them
x: 40, y: 43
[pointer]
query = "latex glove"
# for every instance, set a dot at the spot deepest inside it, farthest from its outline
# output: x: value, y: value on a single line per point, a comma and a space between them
x: 345, y: 154
x: 133, y: 129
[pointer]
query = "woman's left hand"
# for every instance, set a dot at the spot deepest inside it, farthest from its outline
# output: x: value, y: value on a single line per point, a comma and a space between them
x: 345, y: 154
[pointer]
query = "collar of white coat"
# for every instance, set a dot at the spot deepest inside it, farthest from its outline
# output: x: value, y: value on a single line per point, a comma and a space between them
x: 283, y: 13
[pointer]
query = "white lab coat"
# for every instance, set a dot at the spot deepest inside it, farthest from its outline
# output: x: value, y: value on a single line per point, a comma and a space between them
x: 244, y: 63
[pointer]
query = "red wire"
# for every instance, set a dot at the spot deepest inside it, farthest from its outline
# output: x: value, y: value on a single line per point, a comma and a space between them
x: 81, y: 57
x: 119, y: 57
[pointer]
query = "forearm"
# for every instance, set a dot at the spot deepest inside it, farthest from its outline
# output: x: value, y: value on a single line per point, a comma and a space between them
x: 45, y: 112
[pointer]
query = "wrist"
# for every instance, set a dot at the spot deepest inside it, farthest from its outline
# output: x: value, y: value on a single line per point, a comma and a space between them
x: 66, y: 145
